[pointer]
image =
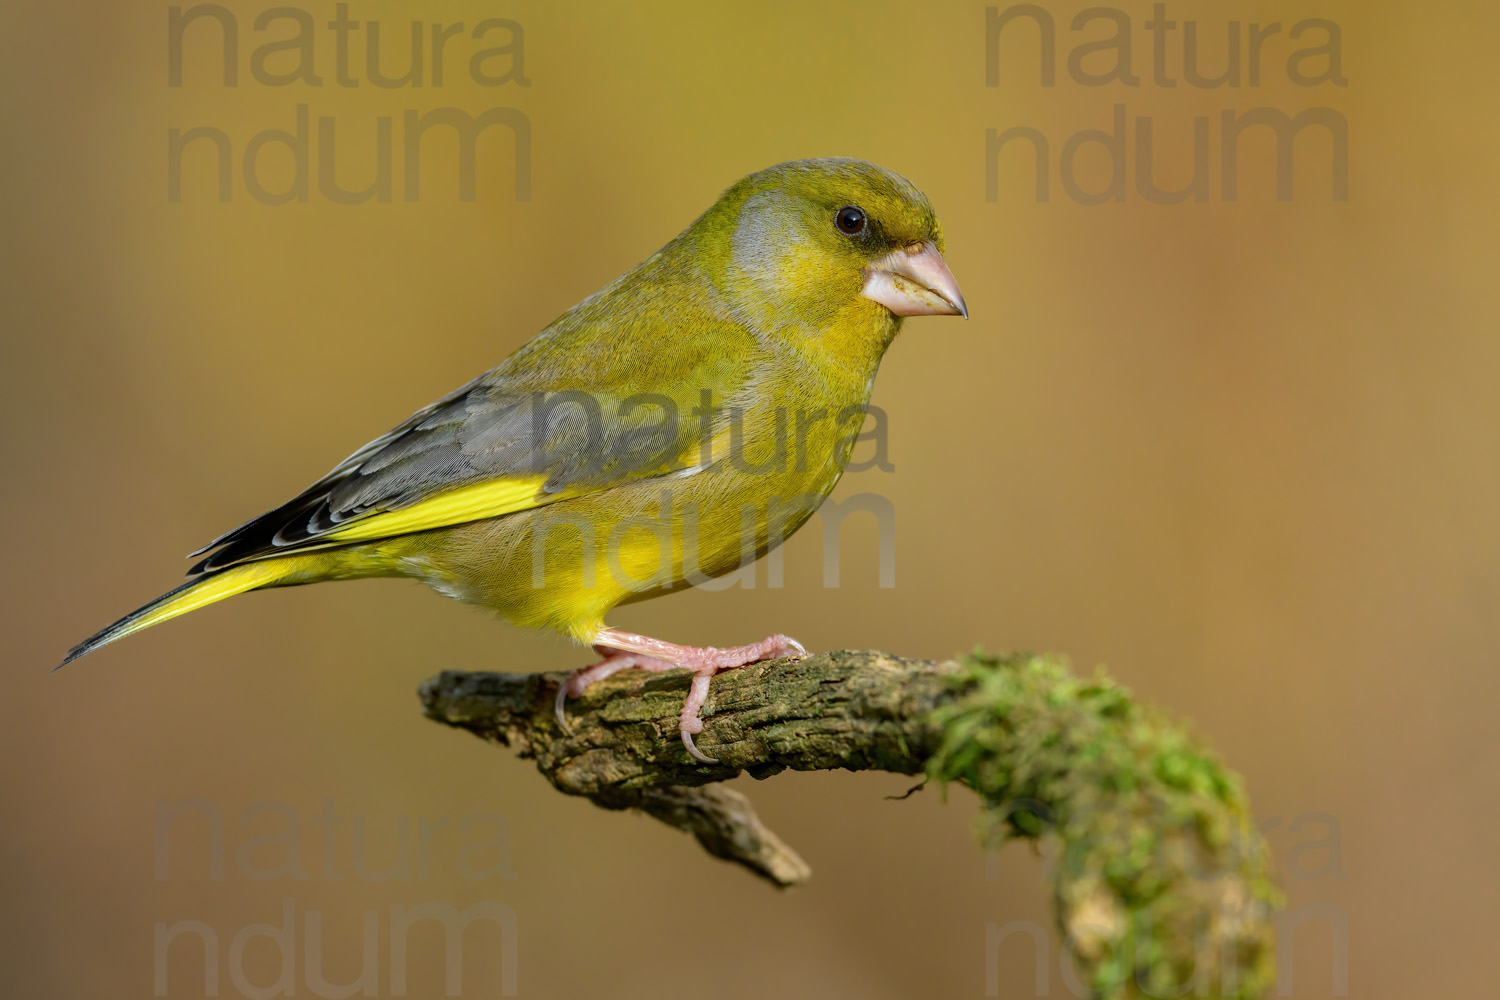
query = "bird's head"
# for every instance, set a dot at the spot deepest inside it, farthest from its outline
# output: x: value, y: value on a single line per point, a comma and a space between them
x: 813, y: 243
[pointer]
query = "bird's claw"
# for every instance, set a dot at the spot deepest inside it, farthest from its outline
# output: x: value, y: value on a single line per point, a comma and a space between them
x: 562, y: 706
x: 693, y: 751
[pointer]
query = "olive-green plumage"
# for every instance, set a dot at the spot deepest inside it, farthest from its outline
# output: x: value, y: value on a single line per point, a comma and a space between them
x: 585, y: 470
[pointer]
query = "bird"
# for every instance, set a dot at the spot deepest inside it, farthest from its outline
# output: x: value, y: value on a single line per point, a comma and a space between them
x: 665, y: 431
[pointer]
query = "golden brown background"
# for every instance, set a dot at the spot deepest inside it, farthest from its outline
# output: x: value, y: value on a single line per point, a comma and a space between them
x: 1243, y: 453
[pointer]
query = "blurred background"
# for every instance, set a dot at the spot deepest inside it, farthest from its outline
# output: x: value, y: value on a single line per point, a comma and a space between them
x: 1240, y: 451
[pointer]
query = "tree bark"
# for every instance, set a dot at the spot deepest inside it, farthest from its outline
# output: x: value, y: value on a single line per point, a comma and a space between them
x: 1161, y: 877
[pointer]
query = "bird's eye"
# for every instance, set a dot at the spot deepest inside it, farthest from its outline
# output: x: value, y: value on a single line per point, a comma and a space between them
x: 850, y: 220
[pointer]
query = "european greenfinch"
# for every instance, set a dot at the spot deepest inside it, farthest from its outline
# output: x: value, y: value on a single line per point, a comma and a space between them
x: 668, y: 429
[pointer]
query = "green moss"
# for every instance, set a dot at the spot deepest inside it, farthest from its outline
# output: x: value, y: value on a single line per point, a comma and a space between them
x: 1162, y: 881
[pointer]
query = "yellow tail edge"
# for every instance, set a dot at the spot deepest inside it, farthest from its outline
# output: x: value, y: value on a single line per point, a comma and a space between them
x: 190, y: 597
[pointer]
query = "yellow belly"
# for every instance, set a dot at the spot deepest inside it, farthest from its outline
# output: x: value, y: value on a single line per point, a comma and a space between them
x: 565, y: 565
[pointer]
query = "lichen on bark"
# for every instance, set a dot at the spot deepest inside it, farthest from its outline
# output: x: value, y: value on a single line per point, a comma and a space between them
x: 1160, y: 877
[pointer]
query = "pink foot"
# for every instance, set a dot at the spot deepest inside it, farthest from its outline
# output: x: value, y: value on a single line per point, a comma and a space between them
x: 612, y: 663
x: 704, y: 662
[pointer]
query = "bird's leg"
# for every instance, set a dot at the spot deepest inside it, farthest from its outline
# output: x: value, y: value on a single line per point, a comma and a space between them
x: 704, y: 661
x: 614, y: 661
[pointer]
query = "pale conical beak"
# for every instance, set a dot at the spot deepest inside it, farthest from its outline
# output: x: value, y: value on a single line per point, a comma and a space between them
x: 915, y: 282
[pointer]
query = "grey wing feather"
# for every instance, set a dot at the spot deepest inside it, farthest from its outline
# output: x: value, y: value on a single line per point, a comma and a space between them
x: 478, y: 433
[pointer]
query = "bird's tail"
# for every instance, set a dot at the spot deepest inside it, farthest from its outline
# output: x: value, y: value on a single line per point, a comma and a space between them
x: 196, y: 594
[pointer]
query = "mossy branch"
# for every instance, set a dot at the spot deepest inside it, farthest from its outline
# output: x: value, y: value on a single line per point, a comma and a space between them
x: 1161, y: 879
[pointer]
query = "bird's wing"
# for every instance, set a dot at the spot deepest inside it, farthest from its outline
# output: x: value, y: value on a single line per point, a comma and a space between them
x: 488, y: 449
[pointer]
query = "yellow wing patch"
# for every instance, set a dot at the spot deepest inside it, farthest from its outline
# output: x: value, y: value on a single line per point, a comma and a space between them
x: 696, y: 456
x: 467, y: 503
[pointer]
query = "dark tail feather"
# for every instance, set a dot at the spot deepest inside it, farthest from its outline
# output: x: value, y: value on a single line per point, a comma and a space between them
x: 189, y: 597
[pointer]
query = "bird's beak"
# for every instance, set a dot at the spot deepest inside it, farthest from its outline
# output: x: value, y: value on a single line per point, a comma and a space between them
x: 915, y: 282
